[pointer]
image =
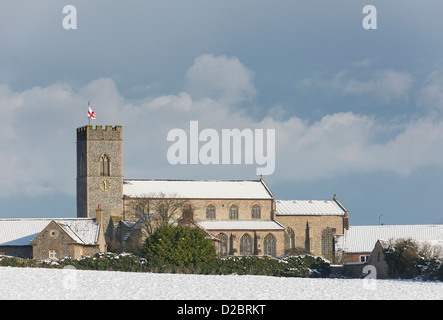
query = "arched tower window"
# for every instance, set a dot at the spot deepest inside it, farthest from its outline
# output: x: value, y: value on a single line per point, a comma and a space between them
x: 223, y: 245
x: 104, y: 164
x: 256, y: 211
x: 233, y: 212
x: 269, y: 245
x: 81, y: 166
x: 245, y: 245
x: 210, y: 212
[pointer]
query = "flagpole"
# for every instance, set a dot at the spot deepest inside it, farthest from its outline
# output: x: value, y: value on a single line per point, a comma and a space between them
x: 89, y: 118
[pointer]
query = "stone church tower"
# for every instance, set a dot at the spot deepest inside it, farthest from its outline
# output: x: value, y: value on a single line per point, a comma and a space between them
x: 99, y: 172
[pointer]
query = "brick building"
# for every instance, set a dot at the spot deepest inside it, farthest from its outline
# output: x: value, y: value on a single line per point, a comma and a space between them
x: 51, y: 238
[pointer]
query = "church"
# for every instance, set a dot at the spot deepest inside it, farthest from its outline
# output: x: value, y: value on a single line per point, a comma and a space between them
x: 242, y: 217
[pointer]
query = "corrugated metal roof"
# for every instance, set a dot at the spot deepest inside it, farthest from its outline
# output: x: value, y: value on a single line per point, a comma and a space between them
x: 20, y: 232
x: 198, y: 189
x: 363, y: 238
x: 240, y: 225
x: 309, y: 207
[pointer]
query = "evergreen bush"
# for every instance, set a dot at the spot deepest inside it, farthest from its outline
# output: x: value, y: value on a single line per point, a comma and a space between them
x: 179, y: 245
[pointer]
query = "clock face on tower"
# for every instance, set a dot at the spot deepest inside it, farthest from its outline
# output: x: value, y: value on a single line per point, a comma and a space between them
x: 105, y: 184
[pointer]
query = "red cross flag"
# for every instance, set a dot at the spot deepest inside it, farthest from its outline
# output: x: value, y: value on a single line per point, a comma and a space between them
x: 91, y: 114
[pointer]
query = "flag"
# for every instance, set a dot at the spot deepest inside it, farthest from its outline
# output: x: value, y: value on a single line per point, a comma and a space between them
x: 91, y: 114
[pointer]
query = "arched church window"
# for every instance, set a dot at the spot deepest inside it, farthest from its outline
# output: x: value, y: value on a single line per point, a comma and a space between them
x: 163, y: 210
x: 256, y: 211
x: 327, y: 241
x: 233, y: 212
x: 269, y: 245
x: 245, y: 245
x: 210, y: 212
x: 291, y: 235
x: 139, y: 210
x: 104, y: 164
x: 188, y: 213
x: 223, y: 245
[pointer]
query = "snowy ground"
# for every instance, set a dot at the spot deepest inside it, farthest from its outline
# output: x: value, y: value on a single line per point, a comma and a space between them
x: 26, y: 283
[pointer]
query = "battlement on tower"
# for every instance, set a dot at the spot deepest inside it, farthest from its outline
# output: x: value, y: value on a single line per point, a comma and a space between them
x: 99, y: 133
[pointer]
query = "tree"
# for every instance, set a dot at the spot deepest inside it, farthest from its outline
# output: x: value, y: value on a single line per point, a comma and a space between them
x: 156, y: 210
x: 401, y: 256
x: 179, y: 245
x: 409, y: 259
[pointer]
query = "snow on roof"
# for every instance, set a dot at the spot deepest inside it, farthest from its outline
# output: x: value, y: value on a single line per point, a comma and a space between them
x: 363, y: 238
x: 309, y: 207
x: 20, y: 232
x: 240, y: 225
x: 198, y: 189
x: 83, y: 231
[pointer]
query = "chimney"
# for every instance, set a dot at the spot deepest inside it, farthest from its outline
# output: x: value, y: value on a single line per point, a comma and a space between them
x: 346, y: 221
x: 99, y: 214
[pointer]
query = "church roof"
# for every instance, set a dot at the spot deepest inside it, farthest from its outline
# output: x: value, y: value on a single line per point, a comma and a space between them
x: 309, y: 207
x: 20, y: 232
x: 363, y: 238
x: 198, y: 189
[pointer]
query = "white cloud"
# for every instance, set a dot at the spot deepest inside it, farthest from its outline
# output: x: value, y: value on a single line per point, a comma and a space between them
x: 386, y: 84
x: 221, y: 78
x: 431, y: 94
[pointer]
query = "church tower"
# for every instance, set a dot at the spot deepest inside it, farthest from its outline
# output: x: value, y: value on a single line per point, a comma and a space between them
x: 99, y: 172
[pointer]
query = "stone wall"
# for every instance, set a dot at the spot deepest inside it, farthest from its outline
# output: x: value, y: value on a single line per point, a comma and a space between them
x: 52, y: 238
x: 221, y: 208
x: 94, y: 188
x: 308, y: 230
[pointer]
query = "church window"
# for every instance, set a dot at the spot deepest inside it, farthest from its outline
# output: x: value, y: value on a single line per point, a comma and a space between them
x: 291, y: 235
x: 233, y: 212
x: 245, y: 245
x: 256, y: 211
x: 223, y: 245
x: 327, y: 241
x: 163, y: 210
x: 139, y: 210
x: 269, y: 245
x: 104, y: 165
x: 210, y: 212
x: 188, y: 213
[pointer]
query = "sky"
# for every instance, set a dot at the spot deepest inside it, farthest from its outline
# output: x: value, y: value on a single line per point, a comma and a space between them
x: 357, y: 112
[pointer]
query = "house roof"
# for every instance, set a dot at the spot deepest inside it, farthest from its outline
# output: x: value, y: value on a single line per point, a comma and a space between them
x: 198, y: 189
x: 20, y: 232
x: 309, y: 207
x: 359, y: 239
x: 240, y: 225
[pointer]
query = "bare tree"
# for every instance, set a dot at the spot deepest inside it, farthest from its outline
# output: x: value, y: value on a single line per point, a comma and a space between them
x: 159, y: 209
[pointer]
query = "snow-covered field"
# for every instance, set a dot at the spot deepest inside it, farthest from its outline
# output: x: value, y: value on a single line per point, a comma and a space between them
x: 27, y: 283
